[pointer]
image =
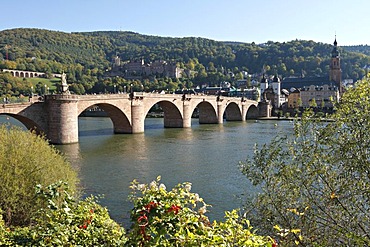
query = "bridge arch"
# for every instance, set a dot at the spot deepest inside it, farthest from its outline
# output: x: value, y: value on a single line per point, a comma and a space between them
x: 121, y: 123
x: 252, y: 112
x: 172, y: 115
x: 233, y: 112
x: 28, y: 123
x: 207, y: 113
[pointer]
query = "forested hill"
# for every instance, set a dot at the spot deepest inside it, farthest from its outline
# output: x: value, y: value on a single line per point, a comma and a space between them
x: 91, y: 52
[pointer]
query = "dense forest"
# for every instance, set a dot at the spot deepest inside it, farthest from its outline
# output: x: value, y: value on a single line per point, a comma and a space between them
x: 86, y: 57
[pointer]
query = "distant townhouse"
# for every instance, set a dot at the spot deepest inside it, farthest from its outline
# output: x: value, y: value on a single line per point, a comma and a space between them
x: 294, y: 99
x: 324, y: 96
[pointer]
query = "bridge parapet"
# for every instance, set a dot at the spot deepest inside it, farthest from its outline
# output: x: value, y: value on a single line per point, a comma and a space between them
x: 61, y: 97
x: 103, y: 96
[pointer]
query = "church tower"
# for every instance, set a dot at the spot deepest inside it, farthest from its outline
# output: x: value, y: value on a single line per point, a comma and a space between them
x: 276, y: 86
x: 335, y: 70
x: 264, y: 84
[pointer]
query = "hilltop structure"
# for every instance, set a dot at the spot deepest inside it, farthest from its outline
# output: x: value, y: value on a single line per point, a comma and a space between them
x: 138, y: 69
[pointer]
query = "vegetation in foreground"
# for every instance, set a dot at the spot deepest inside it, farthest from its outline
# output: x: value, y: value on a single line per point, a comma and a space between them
x: 34, y: 213
x: 315, y: 185
x: 159, y: 218
x: 25, y: 161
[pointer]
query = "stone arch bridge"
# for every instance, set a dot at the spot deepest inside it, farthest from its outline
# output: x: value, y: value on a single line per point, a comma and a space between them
x: 57, y: 115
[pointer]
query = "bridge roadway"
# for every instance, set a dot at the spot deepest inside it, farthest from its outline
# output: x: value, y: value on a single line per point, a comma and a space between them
x: 57, y: 115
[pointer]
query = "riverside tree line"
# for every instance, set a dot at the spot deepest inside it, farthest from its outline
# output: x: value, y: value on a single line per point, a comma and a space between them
x: 86, y: 57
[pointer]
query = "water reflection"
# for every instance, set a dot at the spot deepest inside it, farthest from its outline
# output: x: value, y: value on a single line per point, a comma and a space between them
x: 9, y: 121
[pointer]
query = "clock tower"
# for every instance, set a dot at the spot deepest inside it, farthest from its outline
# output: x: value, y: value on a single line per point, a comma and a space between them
x: 335, y: 70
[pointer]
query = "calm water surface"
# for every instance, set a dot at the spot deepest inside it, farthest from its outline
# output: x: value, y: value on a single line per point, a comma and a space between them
x: 205, y: 155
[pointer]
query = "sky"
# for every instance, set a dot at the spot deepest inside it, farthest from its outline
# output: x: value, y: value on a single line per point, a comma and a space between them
x: 246, y: 21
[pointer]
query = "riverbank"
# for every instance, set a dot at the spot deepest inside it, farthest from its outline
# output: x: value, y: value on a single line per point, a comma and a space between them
x: 291, y: 119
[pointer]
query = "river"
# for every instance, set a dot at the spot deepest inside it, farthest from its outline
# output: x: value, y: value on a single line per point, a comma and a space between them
x: 205, y: 155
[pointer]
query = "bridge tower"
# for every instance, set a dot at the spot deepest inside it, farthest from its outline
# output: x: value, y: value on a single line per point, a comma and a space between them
x: 62, y: 118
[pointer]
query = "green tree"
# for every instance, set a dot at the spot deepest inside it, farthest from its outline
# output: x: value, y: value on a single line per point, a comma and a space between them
x: 211, y: 67
x: 65, y: 221
x: 25, y: 161
x: 315, y: 185
x: 239, y: 76
x: 313, y: 103
x: 299, y: 102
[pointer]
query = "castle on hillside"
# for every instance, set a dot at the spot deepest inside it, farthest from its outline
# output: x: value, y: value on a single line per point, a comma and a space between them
x: 138, y: 69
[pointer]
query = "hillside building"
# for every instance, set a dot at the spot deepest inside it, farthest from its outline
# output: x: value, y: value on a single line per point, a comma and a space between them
x: 138, y: 69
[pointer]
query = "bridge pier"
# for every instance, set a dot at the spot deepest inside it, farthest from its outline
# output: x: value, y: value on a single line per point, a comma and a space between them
x: 244, y: 112
x: 220, y: 113
x: 137, y: 116
x: 186, y: 115
x: 62, y: 118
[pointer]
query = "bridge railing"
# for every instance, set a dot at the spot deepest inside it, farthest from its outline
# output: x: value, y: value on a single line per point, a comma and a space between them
x: 20, y: 100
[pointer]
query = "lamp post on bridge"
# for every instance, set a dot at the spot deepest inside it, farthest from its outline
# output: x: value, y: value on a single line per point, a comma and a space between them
x: 114, y: 88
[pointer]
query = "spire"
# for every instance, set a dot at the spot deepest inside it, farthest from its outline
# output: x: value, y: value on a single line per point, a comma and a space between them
x: 335, y: 52
x: 276, y: 79
x: 263, y: 80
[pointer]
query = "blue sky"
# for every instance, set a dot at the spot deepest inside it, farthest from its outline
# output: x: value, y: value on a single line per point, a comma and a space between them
x: 248, y: 21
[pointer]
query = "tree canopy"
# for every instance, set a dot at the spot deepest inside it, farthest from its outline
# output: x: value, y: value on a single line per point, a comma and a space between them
x: 315, y: 185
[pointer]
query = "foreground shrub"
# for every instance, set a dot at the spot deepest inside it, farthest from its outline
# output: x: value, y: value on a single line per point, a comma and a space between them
x: 25, y: 161
x: 159, y: 218
x: 66, y: 222
x: 177, y: 218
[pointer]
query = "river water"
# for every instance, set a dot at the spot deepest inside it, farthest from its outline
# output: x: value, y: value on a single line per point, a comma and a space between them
x: 205, y: 155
